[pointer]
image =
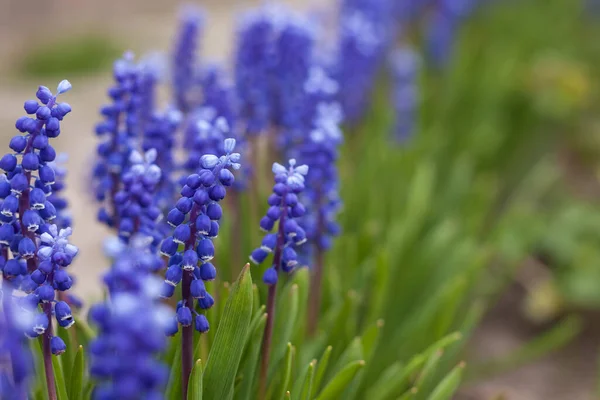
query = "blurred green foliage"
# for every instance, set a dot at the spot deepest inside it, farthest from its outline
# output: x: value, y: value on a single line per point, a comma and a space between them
x: 68, y: 56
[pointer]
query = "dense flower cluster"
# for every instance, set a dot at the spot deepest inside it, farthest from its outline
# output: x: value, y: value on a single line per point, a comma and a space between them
x: 131, y: 325
x: 442, y: 28
x: 284, y: 209
x: 56, y: 197
x: 184, y: 62
x: 135, y: 203
x: 254, y: 63
x: 364, y: 35
x: 404, y: 65
x: 195, y: 219
x: 121, y: 128
x: 34, y: 252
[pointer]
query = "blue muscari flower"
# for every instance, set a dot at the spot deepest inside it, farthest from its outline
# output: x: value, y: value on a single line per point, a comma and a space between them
x: 255, y: 60
x: 17, y: 365
x: 443, y: 27
x: 220, y: 102
x: 320, y: 151
x: 196, y: 219
x: 33, y: 252
x: 131, y: 326
x: 54, y: 174
x: 184, y: 62
x: 404, y: 66
x: 204, y: 134
x: 121, y: 128
x: 364, y: 34
x: 294, y: 51
x: 284, y: 205
x: 136, y: 203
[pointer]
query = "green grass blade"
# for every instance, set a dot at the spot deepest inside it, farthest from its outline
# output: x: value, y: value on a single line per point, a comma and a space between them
x: 341, y: 381
x: 77, y: 376
x: 228, y: 346
x: 195, y: 386
x: 249, y: 365
x: 448, y: 386
x: 59, y: 379
x: 285, y: 320
x: 174, y: 385
x: 321, y: 370
x: 287, y: 372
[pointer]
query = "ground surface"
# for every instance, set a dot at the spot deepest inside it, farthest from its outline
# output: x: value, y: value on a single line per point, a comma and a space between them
x: 143, y: 25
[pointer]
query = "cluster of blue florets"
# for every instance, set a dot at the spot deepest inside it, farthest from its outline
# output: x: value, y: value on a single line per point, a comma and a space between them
x: 195, y: 220
x: 34, y: 253
x: 284, y: 209
x: 131, y: 325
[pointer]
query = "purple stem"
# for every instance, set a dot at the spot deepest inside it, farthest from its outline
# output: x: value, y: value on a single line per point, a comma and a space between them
x: 267, y: 336
x: 187, y: 332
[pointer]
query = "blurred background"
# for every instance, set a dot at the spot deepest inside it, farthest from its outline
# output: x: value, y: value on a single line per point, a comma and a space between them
x: 42, y: 42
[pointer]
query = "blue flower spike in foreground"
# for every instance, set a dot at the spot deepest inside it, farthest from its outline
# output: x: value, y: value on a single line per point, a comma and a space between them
x: 34, y: 252
x: 190, y: 249
x: 283, y: 211
x: 131, y: 327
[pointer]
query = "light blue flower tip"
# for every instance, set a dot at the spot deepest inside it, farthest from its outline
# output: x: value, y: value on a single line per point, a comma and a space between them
x: 229, y: 145
x: 63, y: 86
x: 209, y: 161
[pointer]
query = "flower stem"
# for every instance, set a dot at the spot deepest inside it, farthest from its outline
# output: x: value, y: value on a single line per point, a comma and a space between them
x: 46, y: 336
x: 267, y: 336
x: 187, y: 332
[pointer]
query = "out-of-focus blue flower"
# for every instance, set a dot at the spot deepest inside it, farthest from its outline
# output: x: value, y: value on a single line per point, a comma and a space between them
x: 184, y: 60
x: 204, y: 134
x: 121, y: 129
x: 294, y: 50
x: 255, y: 60
x: 34, y: 253
x: 131, y: 325
x: 17, y: 363
x: 135, y: 202
x: 284, y: 209
x: 442, y: 28
x: 361, y: 44
x: 195, y: 219
x: 404, y: 66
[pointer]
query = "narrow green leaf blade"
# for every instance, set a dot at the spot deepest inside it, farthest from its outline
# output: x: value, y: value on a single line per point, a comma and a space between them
x: 320, y: 372
x: 448, y: 386
x: 250, y: 361
x: 287, y: 373
x: 174, y: 385
x: 228, y: 346
x: 77, y: 376
x: 195, y: 385
x: 340, y: 382
x: 59, y: 379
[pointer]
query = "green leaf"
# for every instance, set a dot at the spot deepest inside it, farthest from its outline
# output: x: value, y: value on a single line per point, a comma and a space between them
x: 174, y: 385
x: 287, y: 373
x: 409, y: 394
x: 59, y: 379
x: 427, y: 375
x: 248, y: 367
x: 448, y: 386
x: 77, y: 375
x: 303, y: 385
x: 228, y: 346
x: 340, y: 382
x: 68, y: 357
x: 285, y: 319
x: 321, y: 370
x: 395, y: 377
x: 195, y: 385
